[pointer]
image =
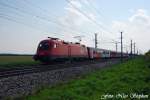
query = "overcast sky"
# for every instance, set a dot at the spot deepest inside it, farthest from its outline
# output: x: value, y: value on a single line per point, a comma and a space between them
x: 24, y: 23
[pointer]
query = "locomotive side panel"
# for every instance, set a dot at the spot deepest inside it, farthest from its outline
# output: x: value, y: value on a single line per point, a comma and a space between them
x: 59, y: 50
x: 113, y: 54
x: 78, y: 51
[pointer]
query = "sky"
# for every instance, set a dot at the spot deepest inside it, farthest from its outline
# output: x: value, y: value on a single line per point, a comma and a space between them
x: 24, y: 23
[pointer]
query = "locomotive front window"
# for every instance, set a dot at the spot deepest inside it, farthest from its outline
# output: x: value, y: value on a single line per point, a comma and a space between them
x: 44, y: 46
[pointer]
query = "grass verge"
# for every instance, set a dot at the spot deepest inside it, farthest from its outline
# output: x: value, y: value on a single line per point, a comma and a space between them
x: 13, y: 61
x: 125, y: 79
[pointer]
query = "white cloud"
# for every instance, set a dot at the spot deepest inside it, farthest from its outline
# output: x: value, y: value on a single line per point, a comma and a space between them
x: 136, y: 27
x: 140, y: 17
x: 76, y: 23
x: 73, y: 17
x: 119, y: 25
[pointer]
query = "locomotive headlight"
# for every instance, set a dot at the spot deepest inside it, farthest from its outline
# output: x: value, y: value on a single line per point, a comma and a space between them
x: 40, y: 45
x: 55, y: 45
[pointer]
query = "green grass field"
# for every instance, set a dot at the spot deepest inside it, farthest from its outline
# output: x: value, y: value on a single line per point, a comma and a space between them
x: 130, y: 77
x: 9, y: 61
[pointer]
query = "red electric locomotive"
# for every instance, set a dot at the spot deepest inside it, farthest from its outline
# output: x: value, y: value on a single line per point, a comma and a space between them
x: 53, y: 48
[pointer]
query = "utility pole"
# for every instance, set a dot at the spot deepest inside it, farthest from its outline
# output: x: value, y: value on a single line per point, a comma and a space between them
x: 96, y: 41
x: 116, y: 46
x: 126, y: 50
x: 131, y: 48
x: 134, y: 49
x: 121, y: 48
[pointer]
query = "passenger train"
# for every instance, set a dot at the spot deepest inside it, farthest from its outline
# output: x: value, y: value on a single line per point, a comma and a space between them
x: 53, y: 49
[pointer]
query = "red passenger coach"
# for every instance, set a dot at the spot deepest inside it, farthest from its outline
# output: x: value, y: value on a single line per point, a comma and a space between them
x: 113, y: 54
x: 93, y: 53
x: 53, y: 48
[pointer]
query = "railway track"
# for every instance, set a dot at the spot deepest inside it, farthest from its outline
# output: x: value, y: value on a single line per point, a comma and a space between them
x: 8, y: 72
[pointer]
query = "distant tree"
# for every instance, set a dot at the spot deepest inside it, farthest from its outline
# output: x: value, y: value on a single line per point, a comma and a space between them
x: 147, y: 53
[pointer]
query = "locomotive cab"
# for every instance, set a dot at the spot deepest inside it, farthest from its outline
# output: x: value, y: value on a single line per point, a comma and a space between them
x: 43, y: 51
x: 44, y: 45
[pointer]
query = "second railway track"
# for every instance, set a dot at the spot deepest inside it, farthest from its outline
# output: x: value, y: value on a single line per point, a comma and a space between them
x: 8, y: 72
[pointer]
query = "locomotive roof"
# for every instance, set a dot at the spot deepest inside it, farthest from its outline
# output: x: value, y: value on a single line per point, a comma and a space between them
x: 57, y: 40
x: 53, y: 38
x: 64, y: 42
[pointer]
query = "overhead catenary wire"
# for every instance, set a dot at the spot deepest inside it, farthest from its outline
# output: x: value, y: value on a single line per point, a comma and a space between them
x: 89, y: 18
x: 30, y: 26
x: 10, y: 18
x: 45, y: 11
x: 34, y: 16
x: 30, y: 14
x: 27, y: 25
x: 97, y: 10
x: 84, y: 14
x: 16, y: 21
x: 90, y: 6
x: 43, y: 18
